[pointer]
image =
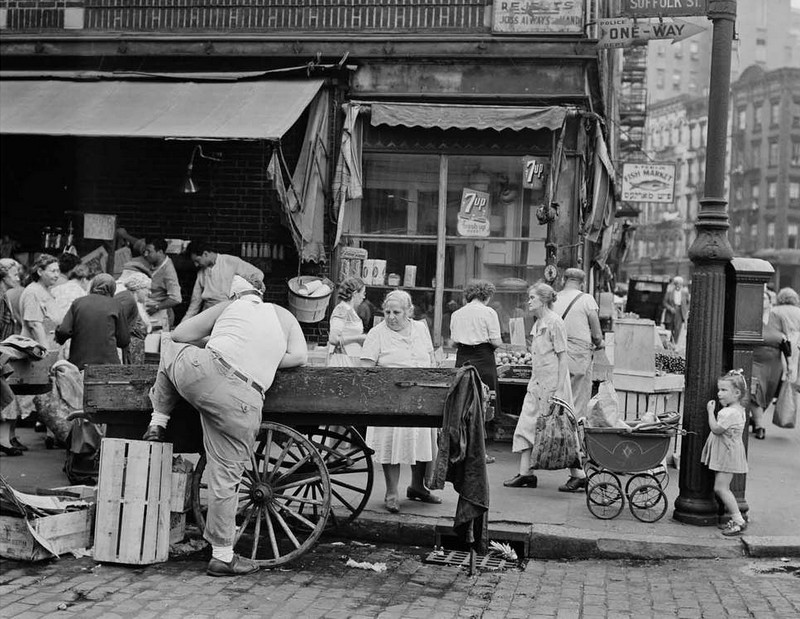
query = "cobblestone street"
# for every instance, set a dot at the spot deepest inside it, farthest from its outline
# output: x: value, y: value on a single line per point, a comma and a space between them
x: 320, y: 585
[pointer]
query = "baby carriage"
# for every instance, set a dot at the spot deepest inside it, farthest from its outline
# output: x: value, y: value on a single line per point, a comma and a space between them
x: 640, y: 452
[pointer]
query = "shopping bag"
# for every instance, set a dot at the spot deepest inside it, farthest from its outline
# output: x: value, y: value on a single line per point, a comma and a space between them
x: 555, y: 443
x: 785, y: 414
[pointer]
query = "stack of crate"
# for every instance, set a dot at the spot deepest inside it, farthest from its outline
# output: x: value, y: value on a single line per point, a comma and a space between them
x: 142, y: 502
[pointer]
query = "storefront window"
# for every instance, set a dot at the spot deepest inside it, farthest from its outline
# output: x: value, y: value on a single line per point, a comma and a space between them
x: 488, y: 230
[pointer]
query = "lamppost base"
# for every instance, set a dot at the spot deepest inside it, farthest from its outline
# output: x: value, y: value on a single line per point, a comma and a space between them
x: 696, y: 511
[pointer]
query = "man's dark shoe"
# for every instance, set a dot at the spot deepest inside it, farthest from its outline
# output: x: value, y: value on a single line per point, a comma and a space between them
x: 156, y: 434
x: 239, y: 566
x: 574, y: 484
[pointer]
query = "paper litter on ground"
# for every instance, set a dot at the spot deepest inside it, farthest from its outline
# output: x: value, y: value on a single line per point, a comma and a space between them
x: 365, y: 565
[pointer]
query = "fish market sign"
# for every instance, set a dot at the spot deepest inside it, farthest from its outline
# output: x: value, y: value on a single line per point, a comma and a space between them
x: 648, y: 182
x: 537, y: 16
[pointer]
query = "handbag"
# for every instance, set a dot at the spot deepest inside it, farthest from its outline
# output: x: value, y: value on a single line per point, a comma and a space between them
x: 555, y: 443
x: 340, y: 359
x: 785, y: 414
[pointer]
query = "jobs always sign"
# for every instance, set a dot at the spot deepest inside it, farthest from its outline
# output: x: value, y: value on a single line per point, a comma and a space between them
x: 648, y: 182
x: 537, y: 16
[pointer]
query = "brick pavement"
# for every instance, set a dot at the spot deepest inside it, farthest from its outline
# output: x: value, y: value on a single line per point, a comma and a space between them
x: 319, y: 585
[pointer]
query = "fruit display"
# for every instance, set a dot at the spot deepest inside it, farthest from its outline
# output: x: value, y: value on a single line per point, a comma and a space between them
x: 512, y: 357
x: 669, y: 363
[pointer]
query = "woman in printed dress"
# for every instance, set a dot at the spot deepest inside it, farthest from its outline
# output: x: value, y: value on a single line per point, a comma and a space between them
x: 550, y: 378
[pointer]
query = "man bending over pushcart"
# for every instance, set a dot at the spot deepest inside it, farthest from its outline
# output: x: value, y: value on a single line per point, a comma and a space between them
x: 226, y: 380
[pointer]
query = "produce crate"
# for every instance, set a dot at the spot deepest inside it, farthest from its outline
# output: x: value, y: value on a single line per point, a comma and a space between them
x: 522, y: 372
x: 47, y: 536
x: 177, y: 527
x: 133, y: 502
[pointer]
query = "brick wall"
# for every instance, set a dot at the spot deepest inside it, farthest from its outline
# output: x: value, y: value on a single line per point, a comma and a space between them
x: 138, y: 180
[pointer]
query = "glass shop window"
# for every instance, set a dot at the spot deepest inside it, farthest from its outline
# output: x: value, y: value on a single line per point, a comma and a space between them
x: 484, y: 226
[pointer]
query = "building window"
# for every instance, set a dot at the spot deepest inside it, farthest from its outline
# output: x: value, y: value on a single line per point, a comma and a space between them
x: 694, y: 50
x: 755, y: 194
x: 791, y: 236
x: 774, y: 113
x: 771, y: 235
x: 796, y: 113
x: 756, y: 154
x: 741, y: 115
x: 773, y: 153
x: 757, y: 116
x: 660, y: 78
x: 678, y: 50
x: 795, y: 153
x: 677, y: 78
x: 772, y: 192
x: 761, y: 51
x: 794, y: 191
x: 737, y: 236
x: 737, y: 195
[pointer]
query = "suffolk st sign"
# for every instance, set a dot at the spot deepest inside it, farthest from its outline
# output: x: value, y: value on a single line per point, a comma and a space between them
x: 663, y: 8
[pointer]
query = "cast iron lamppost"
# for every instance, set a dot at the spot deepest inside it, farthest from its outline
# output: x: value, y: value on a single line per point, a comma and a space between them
x: 710, y: 253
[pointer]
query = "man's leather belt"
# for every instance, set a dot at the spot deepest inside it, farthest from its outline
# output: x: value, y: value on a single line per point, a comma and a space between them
x: 241, y: 376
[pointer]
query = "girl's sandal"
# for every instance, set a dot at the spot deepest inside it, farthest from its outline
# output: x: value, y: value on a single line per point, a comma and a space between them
x: 734, y: 528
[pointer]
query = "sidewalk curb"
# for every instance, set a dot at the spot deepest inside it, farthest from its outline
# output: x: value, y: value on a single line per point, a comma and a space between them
x: 772, y: 546
x: 541, y: 541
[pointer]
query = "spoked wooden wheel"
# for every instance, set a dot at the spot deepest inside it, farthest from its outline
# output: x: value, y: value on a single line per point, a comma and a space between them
x: 349, y: 464
x: 284, y: 497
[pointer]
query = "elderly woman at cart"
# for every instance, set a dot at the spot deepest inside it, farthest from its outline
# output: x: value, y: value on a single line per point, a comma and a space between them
x: 550, y: 379
x: 401, y: 342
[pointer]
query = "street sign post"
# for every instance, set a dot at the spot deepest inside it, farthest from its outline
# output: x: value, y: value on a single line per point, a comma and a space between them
x: 622, y: 32
x: 663, y: 8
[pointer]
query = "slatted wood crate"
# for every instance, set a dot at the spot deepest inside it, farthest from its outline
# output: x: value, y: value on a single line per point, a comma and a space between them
x: 133, y: 502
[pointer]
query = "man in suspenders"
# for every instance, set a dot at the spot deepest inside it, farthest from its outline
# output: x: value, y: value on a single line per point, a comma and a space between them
x: 580, y: 314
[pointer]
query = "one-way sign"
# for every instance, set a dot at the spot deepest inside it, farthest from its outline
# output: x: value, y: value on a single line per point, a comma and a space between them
x: 621, y: 32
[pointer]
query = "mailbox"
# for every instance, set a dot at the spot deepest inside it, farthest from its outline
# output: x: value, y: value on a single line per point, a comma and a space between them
x: 744, y: 302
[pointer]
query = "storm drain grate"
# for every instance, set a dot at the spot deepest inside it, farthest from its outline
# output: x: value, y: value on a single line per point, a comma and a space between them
x: 461, y: 558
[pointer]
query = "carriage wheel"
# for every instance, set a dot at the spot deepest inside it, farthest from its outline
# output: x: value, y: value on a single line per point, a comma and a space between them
x: 284, y: 497
x: 349, y: 464
x: 599, y: 476
x: 647, y: 502
x: 640, y: 479
x: 604, y: 500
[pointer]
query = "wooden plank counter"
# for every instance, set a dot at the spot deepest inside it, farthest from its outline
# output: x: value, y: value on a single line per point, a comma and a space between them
x: 307, y: 396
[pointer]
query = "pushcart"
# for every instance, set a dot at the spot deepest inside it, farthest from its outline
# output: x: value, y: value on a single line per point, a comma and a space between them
x: 639, y: 453
x: 311, y: 468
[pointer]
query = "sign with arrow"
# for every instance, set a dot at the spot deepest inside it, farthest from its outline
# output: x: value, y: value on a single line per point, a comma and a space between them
x: 622, y: 32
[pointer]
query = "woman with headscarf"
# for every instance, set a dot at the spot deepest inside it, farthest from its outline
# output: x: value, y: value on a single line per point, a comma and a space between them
x: 96, y: 325
x: 132, y: 291
x: 785, y: 317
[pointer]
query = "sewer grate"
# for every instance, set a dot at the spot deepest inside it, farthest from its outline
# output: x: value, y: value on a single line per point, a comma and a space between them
x: 461, y: 558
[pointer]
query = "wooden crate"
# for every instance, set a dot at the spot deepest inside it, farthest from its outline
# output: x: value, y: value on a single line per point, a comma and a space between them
x: 54, y: 535
x: 133, y: 502
x: 177, y: 527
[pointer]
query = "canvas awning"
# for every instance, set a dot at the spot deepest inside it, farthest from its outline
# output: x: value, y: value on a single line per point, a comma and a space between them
x: 449, y: 116
x: 258, y: 110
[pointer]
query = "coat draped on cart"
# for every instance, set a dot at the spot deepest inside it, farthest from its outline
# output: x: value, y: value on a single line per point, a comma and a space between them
x: 462, y: 457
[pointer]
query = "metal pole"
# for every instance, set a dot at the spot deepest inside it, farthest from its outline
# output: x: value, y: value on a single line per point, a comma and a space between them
x: 710, y: 253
